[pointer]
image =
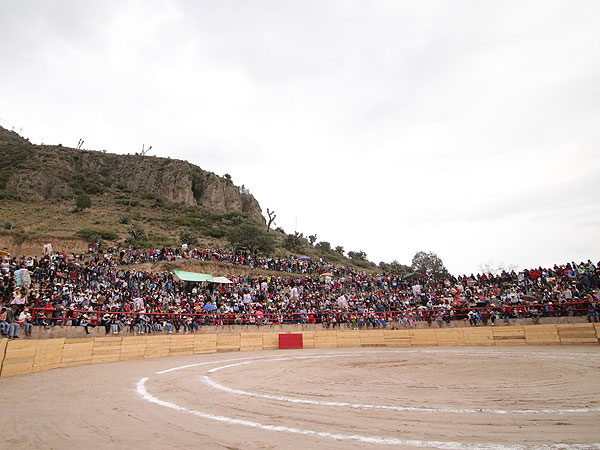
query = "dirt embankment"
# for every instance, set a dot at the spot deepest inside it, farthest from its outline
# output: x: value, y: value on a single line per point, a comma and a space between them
x: 34, y: 246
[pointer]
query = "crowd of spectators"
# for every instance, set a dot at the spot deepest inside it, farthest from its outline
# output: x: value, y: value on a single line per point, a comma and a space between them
x: 293, y: 264
x: 110, y: 290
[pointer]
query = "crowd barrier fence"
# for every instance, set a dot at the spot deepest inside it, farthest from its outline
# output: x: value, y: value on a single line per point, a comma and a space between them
x: 18, y: 357
x: 65, y: 317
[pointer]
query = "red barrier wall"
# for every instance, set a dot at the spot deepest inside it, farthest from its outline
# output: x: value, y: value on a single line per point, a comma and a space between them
x: 290, y: 341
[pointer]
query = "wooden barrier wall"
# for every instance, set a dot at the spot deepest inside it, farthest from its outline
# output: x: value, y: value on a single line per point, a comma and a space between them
x: 26, y: 356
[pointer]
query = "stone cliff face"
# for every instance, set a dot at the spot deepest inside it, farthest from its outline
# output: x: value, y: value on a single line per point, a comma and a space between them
x: 46, y: 172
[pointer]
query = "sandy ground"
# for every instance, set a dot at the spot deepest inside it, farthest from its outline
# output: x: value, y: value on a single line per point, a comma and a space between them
x: 452, y: 398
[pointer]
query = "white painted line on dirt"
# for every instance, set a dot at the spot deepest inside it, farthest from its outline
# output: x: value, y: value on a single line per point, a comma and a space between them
x: 281, y: 398
x: 208, y: 363
x: 491, y: 351
x: 334, y: 355
x: 143, y: 392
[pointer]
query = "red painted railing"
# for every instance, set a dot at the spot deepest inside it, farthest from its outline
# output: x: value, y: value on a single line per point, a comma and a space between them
x: 62, y: 317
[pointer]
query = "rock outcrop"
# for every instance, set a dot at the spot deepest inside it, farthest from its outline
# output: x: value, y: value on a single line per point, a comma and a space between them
x: 45, y: 172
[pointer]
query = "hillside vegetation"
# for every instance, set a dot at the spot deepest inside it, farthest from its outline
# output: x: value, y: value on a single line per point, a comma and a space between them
x: 72, y: 197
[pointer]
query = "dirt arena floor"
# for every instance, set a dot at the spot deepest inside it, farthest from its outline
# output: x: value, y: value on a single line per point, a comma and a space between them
x: 502, y: 398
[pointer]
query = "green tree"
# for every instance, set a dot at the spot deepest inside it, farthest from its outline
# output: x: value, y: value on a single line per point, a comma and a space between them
x: 424, y: 262
x: 252, y: 237
x: 339, y: 249
x: 359, y: 255
x: 293, y: 242
x: 394, y: 268
x: 312, y: 239
x: 324, y: 246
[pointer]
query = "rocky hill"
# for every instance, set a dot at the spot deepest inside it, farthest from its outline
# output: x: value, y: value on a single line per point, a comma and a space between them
x: 41, y: 172
x: 72, y: 198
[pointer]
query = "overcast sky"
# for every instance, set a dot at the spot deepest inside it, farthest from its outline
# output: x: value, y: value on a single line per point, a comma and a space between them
x: 466, y: 128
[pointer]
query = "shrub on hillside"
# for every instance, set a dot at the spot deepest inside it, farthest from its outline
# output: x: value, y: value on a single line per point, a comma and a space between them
x: 92, y: 188
x: 82, y: 202
x: 324, y: 246
x: 92, y: 235
x: 4, y: 194
x: 137, y: 232
x: 358, y: 255
x: 293, y: 242
x: 234, y: 218
x: 216, y: 231
x: 126, y: 201
x: 187, y: 237
x: 137, y: 237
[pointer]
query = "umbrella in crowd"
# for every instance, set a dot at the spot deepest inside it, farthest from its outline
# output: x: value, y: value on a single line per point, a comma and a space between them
x: 304, y: 257
x: 209, y: 307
